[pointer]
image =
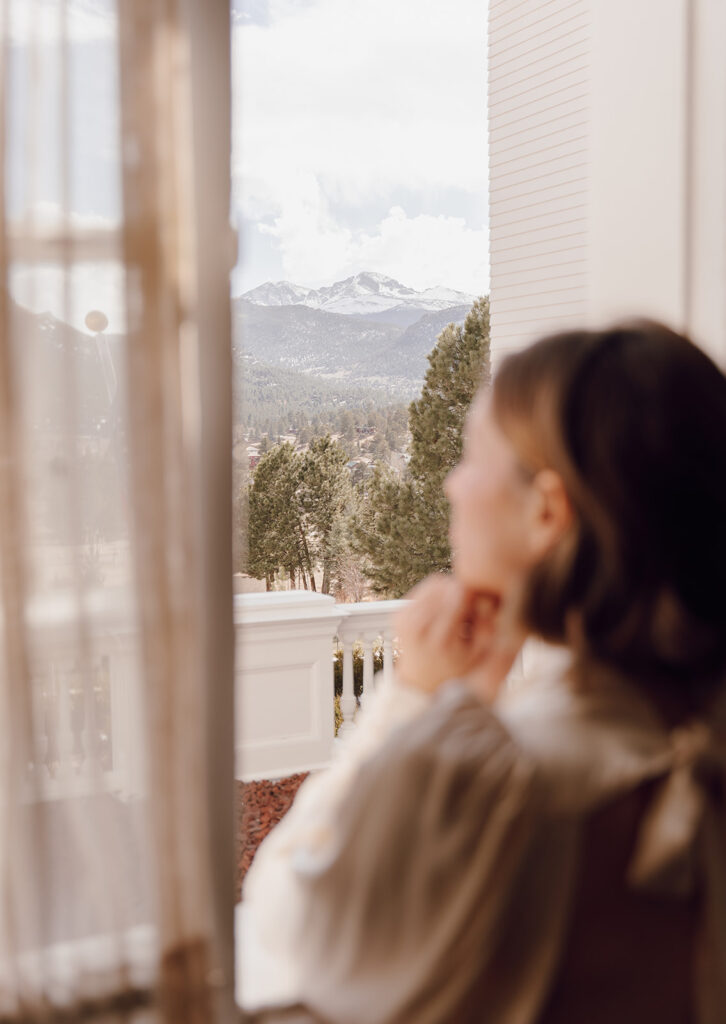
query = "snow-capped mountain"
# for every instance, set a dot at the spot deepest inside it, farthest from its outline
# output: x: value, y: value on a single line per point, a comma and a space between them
x: 281, y: 293
x: 362, y: 295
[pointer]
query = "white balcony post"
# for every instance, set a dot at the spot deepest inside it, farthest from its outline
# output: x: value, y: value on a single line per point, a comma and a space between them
x: 54, y: 750
x: 367, y: 640
x: 127, y: 720
x: 387, y: 657
x: 63, y: 722
x: 370, y: 620
x: 284, y: 673
x: 347, y: 700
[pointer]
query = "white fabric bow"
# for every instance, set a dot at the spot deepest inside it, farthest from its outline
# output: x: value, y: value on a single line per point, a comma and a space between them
x: 666, y: 849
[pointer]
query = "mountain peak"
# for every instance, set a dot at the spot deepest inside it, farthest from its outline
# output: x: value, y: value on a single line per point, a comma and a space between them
x: 362, y: 294
x: 278, y: 293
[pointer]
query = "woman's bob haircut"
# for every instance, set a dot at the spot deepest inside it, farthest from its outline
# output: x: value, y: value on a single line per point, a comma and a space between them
x: 633, y: 418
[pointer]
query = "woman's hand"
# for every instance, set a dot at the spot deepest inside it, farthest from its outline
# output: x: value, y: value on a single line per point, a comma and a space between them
x: 448, y: 632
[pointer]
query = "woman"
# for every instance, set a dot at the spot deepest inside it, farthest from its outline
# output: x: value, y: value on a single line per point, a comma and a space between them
x: 553, y: 852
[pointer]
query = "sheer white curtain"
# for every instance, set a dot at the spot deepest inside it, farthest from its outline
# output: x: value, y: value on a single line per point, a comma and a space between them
x: 116, y: 640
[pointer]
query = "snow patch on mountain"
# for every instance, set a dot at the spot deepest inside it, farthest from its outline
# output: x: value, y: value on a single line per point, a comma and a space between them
x: 279, y: 293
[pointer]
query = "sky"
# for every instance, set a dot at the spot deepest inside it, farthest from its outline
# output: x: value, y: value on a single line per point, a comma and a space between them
x: 360, y: 141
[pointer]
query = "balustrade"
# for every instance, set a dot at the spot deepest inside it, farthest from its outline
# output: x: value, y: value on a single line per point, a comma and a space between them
x: 84, y: 698
x: 86, y: 695
x: 364, y: 623
x: 285, y: 676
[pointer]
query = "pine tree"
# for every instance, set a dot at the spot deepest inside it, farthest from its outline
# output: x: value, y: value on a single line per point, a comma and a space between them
x: 384, y: 535
x: 277, y: 537
x: 401, y: 528
x: 295, y: 506
x: 325, y: 495
x: 457, y: 365
x: 348, y: 579
x: 240, y: 516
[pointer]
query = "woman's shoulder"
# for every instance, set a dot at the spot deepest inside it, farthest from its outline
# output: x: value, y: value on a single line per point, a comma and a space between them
x: 573, y: 748
x: 576, y: 746
x: 457, y: 742
x: 592, y: 741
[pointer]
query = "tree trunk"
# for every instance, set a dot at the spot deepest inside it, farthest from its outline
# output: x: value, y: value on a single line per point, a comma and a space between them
x: 301, y: 569
x: 326, y: 577
x: 292, y: 580
x: 308, y: 562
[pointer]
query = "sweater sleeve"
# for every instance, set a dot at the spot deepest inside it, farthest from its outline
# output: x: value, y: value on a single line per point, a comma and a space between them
x: 408, y: 909
x: 275, y: 897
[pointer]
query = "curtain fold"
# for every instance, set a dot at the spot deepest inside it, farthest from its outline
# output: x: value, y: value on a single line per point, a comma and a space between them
x: 116, y: 639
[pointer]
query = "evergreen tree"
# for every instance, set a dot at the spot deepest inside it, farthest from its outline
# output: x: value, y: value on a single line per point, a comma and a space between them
x: 401, y: 529
x: 240, y: 516
x: 348, y: 578
x: 325, y: 495
x: 296, y: 505
x: 346, y: 425
x: 457, y: 365
x: 277, y: 538
x: 385, y: 535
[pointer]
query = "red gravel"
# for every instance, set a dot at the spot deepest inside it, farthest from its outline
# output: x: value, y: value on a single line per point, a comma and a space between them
x: 258, y: 808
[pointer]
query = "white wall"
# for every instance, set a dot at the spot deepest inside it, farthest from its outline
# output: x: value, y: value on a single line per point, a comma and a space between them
x: 707, y: 313
x: 658, y: 209
x: 637, y: 218
x: 608, y: 166
x: 539, y: 155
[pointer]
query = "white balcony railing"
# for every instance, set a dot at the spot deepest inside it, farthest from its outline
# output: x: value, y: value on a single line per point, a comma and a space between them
x: 364, y: 623
x: 286, y: 643
x: 85, y: 697
x: 90, y: 732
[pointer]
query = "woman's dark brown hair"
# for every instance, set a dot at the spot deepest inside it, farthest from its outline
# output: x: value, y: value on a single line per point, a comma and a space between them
x: 634, y: 420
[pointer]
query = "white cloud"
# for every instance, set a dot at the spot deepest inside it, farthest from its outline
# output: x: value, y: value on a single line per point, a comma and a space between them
x: 421, y: 251
x: 368, y: 95
x: 339, y: 103
x: 428, y: 250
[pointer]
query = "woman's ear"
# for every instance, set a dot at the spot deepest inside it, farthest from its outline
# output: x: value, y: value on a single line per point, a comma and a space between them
x: 551, y: 512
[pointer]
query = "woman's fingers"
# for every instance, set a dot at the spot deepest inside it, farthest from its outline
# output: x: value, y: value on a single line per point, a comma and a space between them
x: 424, y: 605
x: 453, y: 624
x: 444, y: 631
x: 479, y: 641
x: 486, y: 604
